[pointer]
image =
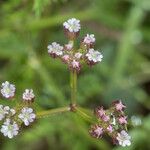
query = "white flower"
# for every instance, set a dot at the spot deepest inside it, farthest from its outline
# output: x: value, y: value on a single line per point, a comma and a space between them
x: 94, y: 56
x: 73, y: 25
x: 78, y: 55
x: 28, y: 95
x: 89, y: 39
x: 9, y: 128
x: 55, y: 48
x: 123, y: 138
x: 8, y: 90
x: 3, y: 111
x: 27, y: 115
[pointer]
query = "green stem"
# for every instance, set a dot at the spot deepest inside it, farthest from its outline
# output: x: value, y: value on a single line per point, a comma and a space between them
x: 52, y: 112
x: 84, y: 115
x: 73, y: 84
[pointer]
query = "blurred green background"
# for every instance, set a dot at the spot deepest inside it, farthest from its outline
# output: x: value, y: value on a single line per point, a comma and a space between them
x: 122, y: 31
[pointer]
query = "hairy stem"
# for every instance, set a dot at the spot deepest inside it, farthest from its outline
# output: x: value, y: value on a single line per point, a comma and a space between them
x: 73, y: 84
x: 52, y: 112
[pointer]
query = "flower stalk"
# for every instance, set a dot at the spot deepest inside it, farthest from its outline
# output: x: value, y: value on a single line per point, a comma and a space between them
x: 73, y: 85
x: 52, y: 112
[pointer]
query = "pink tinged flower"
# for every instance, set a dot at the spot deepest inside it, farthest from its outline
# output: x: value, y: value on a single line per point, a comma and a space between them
x: 122, y: 120
x: 28, y: 95
x: 66, y: 58
x: 75, y: 65
x: 96, y: 131
x: 55, y: 49
x: 8, y: 90
x: 89, y: 39
x: 100, y: 111
x: 69, y: 46
x: 9, y: 128
x: 94, y: 56
x: 105, y: 118
x: 119, y: 106
x: 123, y: 138
x: 78, y: 55
x: 72, y: 25
x: 110, y: 129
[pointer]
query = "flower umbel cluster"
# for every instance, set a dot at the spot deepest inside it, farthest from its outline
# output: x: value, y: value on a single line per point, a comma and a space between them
x: 13, y: 118
x: 75, y: 58
x: 112, y: 122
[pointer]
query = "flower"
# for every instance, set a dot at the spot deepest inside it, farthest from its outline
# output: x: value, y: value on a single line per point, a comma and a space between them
x: 3, y: 111
x: 96, y: 131
x: 72, y: 25
x: 110, y: 129
x: 105, y: 118
x: 27, y: 115
x: 66, y: 58
x: 55, y: 49
x: 8, y: 90
x: 89, y: 39
x: 123, y: 138
x: 99, y: 112
x: 28, y: 95
x: 119, y: 106
x: 75, y: 65
x: 69, y: 46
x: 94, y: 56
x: 78, y: 55
x: 9, y: 128
x: 122, y: 120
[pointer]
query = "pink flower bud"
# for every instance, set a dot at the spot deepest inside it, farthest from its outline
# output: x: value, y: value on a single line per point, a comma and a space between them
x: 122, y: 120
x: 96, y: 131
x: 65, y: 58
x: 75, y: 65
x: 89, y: 40
x: 105, y: 118
x: 69, y: 46
x: 119, y: 106
x: 110, y: 129
x: 99, y: 112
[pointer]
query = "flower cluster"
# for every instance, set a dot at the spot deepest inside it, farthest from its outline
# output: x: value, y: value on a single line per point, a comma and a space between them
x: 112, y: 122
x: 75, y: 58
x: 13, y: 117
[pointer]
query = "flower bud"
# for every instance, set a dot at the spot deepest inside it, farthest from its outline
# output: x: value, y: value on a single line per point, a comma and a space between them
x: 89, y: 41
x: 28, y: 96
x: 96, y: 131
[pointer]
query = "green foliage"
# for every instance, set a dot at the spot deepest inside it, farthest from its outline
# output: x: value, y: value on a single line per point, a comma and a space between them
x: 122, y: 32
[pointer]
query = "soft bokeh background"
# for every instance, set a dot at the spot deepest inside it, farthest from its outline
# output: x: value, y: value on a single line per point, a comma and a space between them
x: 122, y: 34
